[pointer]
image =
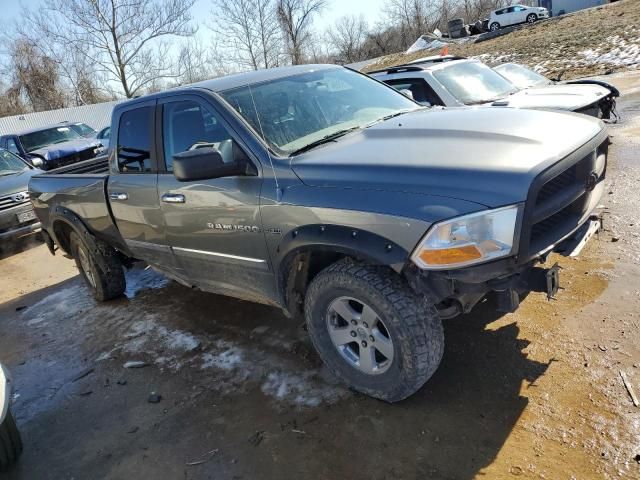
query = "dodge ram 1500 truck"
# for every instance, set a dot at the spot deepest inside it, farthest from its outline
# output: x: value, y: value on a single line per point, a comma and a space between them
x: 330, y: 195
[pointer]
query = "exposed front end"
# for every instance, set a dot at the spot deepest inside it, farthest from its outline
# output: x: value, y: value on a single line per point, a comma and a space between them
x: 557, y: 216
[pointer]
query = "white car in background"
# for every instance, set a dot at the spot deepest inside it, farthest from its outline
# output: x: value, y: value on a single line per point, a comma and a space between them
x: 514, y: 15
x: 451, y: 81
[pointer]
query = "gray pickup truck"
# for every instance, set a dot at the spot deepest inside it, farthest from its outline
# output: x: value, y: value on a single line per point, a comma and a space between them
x: 328, y: 194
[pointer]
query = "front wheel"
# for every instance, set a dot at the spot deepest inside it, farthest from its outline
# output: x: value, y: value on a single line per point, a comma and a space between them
x: 531, y: 18
x: 372, y: 331
x: 10, y: 443
x: 495, y: 26
x: 99, y: 267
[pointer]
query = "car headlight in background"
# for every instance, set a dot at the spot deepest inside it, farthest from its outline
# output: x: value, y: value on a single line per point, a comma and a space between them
x: 467, y: 240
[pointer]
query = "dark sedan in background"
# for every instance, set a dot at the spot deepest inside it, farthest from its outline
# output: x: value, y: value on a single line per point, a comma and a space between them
x: 16, y: 212
x: 51, y: 147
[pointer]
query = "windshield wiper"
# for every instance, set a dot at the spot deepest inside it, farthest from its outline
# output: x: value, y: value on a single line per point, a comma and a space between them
x: 326, y: 139
x: 10, y: 172
x: 392, y: 115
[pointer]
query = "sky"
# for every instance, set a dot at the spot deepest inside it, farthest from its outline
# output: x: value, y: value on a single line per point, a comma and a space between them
x: 371, y: 9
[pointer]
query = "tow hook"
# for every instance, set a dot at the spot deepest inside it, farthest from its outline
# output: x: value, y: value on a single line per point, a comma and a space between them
x: 553, y: 281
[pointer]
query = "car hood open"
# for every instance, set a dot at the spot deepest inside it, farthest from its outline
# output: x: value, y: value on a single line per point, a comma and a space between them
x: 484, y: 155
x: 560, y: 97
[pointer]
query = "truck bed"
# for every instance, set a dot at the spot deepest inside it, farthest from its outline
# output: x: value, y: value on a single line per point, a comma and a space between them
x: 80, y: 189
x: 94, y: 166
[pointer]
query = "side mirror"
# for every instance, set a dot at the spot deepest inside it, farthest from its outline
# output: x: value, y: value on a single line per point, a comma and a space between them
x: 407, y: 93
x: 206, y: 163
x: 37, y: 162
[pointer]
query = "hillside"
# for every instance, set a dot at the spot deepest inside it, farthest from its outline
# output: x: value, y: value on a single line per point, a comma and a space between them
x: 597, y: 41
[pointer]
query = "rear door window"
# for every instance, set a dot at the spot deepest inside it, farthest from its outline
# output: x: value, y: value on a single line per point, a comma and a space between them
x: 421, y: 90
x: 134, y: 140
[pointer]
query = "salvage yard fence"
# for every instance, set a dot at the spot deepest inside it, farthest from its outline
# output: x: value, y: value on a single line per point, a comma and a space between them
x: 96, y: 116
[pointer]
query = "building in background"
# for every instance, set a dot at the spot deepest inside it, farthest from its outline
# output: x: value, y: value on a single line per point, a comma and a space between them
x: 97, y: 116
x: 560, y: 7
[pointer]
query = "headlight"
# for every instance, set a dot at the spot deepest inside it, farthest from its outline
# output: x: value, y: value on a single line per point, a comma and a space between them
x: 468, y: 240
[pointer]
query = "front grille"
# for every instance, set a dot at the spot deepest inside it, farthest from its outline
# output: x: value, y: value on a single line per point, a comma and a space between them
x: 76, y: 157
x: 559, y: 200
x: 11, y: 201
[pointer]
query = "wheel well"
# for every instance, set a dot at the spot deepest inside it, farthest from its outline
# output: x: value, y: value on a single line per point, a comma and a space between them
x: 298, y: 272
x: 62, y: 232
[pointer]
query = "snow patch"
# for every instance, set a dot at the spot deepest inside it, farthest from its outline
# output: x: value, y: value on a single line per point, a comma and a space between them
x: 143, y: 279
x: 226, y: 360
x: 300, y: 388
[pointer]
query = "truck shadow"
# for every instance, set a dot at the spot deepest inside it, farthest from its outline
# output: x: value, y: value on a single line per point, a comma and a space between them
x: 451, y: 429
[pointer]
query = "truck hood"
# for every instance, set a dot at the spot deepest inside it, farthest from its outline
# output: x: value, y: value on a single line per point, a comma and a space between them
x: 65, y: 149
x: 559, y: 97
x: 483, y: 155
x: 18, y: 182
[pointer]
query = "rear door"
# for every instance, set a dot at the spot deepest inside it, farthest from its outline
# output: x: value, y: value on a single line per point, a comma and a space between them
x: 132, y: 187
x: 213, y: 226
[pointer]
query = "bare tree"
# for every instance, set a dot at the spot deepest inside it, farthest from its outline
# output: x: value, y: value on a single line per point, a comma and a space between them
x: 249, y: 29
x: 296, y: 17
x: 35, y: 76
x: 197, y: 61
x: 120, y: 38
x: 348, y: 37
x: 413, y: 17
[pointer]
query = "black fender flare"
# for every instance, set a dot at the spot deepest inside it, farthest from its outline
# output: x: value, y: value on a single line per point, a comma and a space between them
x: 338, y: 239
x: 355, y: 242
x: 73, y: 221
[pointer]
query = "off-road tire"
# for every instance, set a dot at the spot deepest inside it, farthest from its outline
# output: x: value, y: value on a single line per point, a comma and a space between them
x: 532, y: 18
x: 413, y: 324
x: 10, y: 443
x: 104, y: 264
x: 494, y: 27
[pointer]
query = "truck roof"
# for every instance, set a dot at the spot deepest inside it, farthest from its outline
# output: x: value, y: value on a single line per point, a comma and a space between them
x: 229, y: 82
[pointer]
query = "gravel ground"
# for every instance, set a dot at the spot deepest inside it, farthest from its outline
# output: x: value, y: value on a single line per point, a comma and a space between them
x: 240, y: 394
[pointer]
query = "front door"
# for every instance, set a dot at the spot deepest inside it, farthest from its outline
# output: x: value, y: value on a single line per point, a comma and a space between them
x: 213, y: 226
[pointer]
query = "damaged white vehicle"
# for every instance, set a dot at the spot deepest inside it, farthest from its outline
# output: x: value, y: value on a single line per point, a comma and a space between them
x: 10, y: 441
x: 526, y: 79
x: 451, y: 81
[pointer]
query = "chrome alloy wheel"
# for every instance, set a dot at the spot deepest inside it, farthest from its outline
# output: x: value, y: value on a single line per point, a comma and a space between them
x: 360, y: 335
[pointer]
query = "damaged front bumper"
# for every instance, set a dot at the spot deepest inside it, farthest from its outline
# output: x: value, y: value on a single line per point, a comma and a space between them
x: 457, y: 291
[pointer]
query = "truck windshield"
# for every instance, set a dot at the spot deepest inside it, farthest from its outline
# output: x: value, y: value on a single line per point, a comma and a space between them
x: 35, y: 140
x: 521, y: 76
x: 473, y: 82
x: 10, y: 164
x: 294, y: 112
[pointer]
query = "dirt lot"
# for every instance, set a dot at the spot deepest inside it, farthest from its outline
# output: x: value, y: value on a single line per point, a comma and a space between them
x: 535, y: 394
x: 592, y: 42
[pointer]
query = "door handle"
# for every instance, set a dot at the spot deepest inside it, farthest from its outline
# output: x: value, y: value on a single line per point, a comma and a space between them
x: 173, y: 198
x: 118, y: 196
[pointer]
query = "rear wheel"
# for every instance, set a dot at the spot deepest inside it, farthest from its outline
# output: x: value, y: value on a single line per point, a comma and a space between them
x: 531, y: 18
x: 10, y: 443
x: 372, y: 331
x: 99, y: 266
x: 495, y: 26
